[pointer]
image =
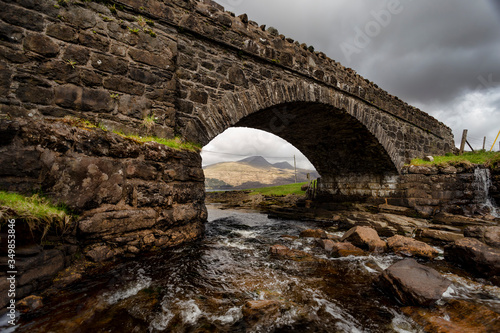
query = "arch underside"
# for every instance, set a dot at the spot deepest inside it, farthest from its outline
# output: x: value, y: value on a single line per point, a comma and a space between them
x: 335, y: 142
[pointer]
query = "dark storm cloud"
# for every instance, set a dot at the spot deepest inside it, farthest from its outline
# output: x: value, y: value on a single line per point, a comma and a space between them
x: 441, y: 56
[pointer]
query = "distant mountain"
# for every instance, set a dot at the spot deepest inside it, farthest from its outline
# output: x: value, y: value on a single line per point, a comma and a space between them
x: 252, y: 172
x: 256, y: 161
x: 283, y: 165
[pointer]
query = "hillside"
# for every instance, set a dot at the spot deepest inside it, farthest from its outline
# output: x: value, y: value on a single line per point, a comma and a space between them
x: 252, y: 172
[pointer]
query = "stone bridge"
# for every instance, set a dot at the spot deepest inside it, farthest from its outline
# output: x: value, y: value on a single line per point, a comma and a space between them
x: 199, y: 70
x: 190, y: 69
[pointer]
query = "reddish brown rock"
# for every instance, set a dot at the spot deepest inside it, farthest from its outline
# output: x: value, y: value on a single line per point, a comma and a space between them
x: 326, y: 244
x: 411, y: 247
x: 287, y: 253
x: 365, y: 238
x: 439, y: 235
x: 457, y: 316
x: 487, y: 235
x: 473, y: 255
x: 261, y: 312
x: 344, y: 249
x: 459, y: 220
x: 29, y: 304
x: 314, y: 233
x: 413, y: 284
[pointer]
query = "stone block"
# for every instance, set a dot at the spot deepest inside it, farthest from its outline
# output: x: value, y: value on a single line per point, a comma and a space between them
x: 79, y: 17
x: 76, y: 53
x: 134, y: 106
x: 10, y: 33
x: 62, y: 32
x: 149, y: 58
x: 21, y: 17
x: 5, y: 79
x: 143, y: 76
x: 198, y: 96
x: 35, y: 94
x: 96, y: 100
x: 62, y: 71
x: 94, y: 41
x: 110, y: 64
x: 124, y: 85
x: 90, y: 78
x: 237, y: 77
x: 41, y: 44
x: 68, y: 96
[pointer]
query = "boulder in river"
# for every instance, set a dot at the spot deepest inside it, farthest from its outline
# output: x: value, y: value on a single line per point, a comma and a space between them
x: 344, y: 249
x: 413, y: 284
x: 411, y: 247
x: 458, y: 220
x: 286, y: 253
x: 261, y: 312
x: 473, y: 255
x: 438, y: 235
x: 487, y: 235
x: 314, y: 233
x: 365, y: 238
x: 456, y: 316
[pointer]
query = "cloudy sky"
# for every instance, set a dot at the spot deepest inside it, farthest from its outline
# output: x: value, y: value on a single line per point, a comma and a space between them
x: 440, y: 56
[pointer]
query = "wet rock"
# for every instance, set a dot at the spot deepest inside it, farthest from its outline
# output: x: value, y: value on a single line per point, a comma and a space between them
x: 398, y: 210
x: 456, y: 316
x: 314, y: 233
x: 458, y: 220
x: 101, y: 253
x: 473, y: 255
x: 385, y: 224
x: 345, y: 249
x: 261, y: 312
x: 326, y: 244
x: 365, y: 238
x: 413, y: 284
x: 411, y: 247
x: 30, y: 303
x: 423, y: 170
x: 487, y: 235
x: 439, y: 235
x: 287, y: 253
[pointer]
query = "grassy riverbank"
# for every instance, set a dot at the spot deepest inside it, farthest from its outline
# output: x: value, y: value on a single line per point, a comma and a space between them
x: 38, y: 212
x: 479, y: 157
x: 279, y: 190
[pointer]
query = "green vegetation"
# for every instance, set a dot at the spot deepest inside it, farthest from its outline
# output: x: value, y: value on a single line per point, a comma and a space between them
x: 175, y: 143
x: 71, y: 63
x: 134, y: 30
x: 149, y: 122
x: 37, y: 211
x: 280, y: 190
x: 479, y: 157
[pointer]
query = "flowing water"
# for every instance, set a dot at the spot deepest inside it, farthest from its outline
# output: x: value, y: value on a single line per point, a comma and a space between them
x: 483, y: 183
x: 204, y: 287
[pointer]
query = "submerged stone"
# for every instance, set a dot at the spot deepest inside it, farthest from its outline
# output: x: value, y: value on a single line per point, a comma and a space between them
x: 413, y: 284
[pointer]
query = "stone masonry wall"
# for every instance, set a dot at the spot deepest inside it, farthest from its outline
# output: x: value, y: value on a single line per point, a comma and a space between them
x: 84, y: 59
x: 431, y: 190
x: 116, y: 62
x: 131, y: 197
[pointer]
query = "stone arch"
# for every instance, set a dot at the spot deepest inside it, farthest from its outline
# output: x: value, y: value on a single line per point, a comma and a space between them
x: 343, y: 136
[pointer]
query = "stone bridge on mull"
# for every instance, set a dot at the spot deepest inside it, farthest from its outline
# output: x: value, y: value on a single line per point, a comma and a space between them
x: 190, y: 69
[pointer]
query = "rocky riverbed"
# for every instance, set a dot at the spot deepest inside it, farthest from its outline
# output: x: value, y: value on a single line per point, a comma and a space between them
x: 358, y: 271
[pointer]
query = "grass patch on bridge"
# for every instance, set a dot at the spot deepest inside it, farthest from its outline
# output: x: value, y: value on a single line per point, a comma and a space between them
x: 479, y: 157
x: 281, y: 190
x: 37, y: 211
x: 175, y: 143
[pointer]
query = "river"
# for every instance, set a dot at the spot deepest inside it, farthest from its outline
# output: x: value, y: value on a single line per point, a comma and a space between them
x: 203, y: 287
